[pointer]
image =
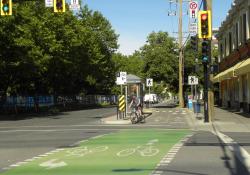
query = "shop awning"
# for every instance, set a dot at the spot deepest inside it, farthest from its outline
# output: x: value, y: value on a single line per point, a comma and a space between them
x: 224, y: 75
x: 229, y: 73
x: 243, y: 68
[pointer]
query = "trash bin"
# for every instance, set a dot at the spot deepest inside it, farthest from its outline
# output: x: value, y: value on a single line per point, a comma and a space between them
x: 196, y: 107
x: 190, y: 104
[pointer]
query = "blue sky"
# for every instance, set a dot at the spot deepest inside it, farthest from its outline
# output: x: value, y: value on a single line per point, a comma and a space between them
x: 133, y: 20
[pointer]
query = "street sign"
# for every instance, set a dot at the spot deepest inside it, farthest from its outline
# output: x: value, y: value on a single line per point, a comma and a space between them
x: 48, y: 3
x: 74, y: 5
x: 193, y: 9
x: 123, y: 76
x: 119, y: 81
x: 149, y: 82
x: 192, y: 80
x: 193, y: 28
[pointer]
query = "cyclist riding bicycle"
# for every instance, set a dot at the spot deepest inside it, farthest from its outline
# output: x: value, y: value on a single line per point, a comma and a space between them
x: 136, y: 104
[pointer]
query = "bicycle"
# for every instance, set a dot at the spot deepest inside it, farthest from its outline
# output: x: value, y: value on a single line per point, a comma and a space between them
x: 134, y: 115
x: 82, y: 151
x: 146, y: 150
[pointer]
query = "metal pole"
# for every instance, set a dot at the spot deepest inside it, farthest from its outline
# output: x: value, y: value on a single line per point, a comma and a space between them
x: 126, y: 98
x: 208, y: 86
x: 149, y: 97
x: 192, y: 90
x: 195, y: 93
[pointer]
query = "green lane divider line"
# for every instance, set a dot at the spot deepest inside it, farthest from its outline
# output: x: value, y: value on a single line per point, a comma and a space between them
x: 135, y: 152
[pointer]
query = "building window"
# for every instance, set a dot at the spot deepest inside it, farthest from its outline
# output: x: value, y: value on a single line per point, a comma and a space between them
x: 225, y: 47
x: 237, y: 36
x: 241, y: 31
x: 248, y: 20
x: 230, y: 43
x: 221, y: 51
x: 244, y: 28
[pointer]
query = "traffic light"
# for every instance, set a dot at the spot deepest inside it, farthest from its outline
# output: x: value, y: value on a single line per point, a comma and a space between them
x: 205, y: 24
x: 6, y: 7
x: 59, y: 6
x: 205, y: 51
x: 194, y: 43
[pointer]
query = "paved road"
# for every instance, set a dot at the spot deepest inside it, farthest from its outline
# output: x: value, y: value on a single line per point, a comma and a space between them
x: 23, y: 139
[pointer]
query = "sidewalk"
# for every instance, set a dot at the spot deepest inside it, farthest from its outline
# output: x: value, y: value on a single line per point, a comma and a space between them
x: 231, y: 129
x: 224, y: 121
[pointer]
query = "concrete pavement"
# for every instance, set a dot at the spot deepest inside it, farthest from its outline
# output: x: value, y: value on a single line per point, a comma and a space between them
x: 221, y: 147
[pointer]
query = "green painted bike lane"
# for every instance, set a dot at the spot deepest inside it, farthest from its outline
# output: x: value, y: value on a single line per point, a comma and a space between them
x: 134, y: 152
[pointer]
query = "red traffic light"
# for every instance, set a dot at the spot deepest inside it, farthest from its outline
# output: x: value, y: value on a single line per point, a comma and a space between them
x: 204, y: 17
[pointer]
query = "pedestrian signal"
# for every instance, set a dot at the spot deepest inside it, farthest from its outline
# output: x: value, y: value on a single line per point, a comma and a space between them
x: 6, y: 7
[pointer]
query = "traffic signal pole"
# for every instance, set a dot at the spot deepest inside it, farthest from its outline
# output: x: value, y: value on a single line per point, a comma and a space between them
x: 208, y: 86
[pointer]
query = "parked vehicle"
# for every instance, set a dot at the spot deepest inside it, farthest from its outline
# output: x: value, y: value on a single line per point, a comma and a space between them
x: 150, y: 98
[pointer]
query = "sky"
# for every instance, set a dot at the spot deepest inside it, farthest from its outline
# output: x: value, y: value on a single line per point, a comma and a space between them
x: 134, y: 20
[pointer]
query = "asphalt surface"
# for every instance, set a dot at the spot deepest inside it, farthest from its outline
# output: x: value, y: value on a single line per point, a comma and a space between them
x: 26, y: 138
x: 201, y: 154
x: 204, y: 154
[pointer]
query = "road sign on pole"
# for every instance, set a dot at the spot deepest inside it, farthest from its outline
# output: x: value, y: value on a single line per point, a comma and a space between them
x: 192, y: 80
x: 48, y: 3
x: 149, y: 82
x: 121, y: 78
x: 193, y: 9
x: 193, y: 28
x: 74, y: 5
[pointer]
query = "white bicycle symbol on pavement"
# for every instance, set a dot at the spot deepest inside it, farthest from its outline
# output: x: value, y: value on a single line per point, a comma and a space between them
x: 82, y: 151
x: 146, y: 150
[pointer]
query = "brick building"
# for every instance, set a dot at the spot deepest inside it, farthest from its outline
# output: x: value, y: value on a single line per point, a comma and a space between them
x: 234, y: 57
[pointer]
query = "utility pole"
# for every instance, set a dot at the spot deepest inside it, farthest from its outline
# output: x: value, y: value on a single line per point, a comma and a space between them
x: 181, y: 100
x: 208, y: 86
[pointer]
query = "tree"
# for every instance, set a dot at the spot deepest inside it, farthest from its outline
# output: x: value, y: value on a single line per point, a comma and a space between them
x: 160, y: 59
x: 43, y: 52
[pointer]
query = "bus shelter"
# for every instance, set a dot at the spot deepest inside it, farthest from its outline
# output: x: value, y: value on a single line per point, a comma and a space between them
x: 135, y: 87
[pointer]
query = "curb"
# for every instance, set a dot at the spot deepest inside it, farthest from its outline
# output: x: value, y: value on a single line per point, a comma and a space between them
x: 113, y: 121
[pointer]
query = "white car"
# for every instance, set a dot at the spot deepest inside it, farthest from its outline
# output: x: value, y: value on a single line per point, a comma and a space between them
x: 150, y: 98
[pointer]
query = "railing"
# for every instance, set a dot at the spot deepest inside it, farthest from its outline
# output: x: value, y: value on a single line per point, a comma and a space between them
x: 20, y: 104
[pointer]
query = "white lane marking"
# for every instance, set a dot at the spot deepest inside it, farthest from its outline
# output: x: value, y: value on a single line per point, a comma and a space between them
x: 159, y: 172
x: 65, y: 130
x: 43, y: 155
x: 14, y: 165
x: 53, y: 163
x: 21, y: 163
x: 171, y: 154
x: 97, y: 137
x: 234, y: 147
x: 6, y: 168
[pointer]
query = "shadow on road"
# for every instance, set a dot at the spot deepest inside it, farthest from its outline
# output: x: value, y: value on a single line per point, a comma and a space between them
x: 243, y: 114
x: 236, y: 167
